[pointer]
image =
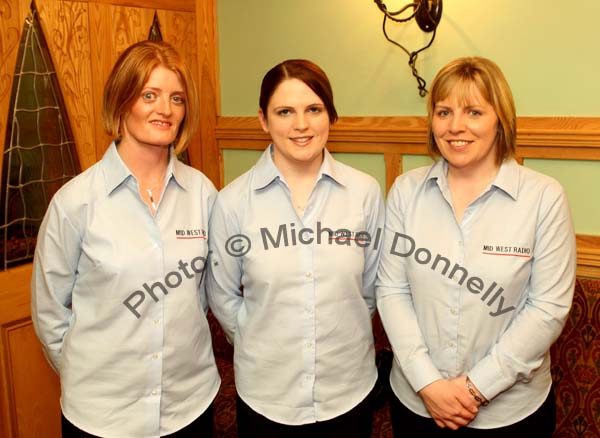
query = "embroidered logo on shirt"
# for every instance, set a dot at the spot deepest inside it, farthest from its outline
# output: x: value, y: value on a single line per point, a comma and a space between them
x: 503, y: 250
x: 193, y: 233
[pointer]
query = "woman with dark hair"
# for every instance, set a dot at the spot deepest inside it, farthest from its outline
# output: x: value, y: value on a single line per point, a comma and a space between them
x: 117, y: 295
x: 477, y: 274
x: 299, y: 233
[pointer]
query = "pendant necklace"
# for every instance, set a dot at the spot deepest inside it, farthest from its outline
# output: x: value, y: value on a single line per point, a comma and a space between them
x: 149, y: 191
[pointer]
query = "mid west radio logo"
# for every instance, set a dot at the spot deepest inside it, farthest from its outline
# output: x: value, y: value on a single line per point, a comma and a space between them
x: 190, y: 233
x: 507, y: 250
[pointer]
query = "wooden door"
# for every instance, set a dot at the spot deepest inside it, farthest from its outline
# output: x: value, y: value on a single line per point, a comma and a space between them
x: 84, y: 39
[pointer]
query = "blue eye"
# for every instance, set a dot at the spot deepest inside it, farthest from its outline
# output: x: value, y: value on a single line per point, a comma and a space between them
x: 148, y: 95
x: 179, y: 100
x: 474, y: 113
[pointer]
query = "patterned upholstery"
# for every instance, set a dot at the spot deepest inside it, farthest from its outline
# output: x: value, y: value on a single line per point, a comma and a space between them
x: 224, y: 405
x: 576, y: 365
x: 575, y: 370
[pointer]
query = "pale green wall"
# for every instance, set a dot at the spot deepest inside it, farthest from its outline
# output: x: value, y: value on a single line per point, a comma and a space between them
x: 547, y: 50
x: 582, y: 184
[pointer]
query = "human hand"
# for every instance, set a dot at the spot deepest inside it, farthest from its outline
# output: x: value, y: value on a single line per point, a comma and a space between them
x: 449, y: 404
x: 463, y: 387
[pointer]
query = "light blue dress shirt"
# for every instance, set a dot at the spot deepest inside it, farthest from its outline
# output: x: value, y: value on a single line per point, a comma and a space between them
x: 485, y: 297
x: 301, y: 329
x: 117, y: 300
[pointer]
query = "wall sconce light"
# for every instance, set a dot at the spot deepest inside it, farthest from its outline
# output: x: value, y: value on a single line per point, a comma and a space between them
x: 427, y: 14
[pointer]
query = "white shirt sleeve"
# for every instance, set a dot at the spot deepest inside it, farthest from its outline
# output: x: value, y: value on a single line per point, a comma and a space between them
x: 395, y: 303
x: 375, y: 223
x: 223, y: 281
x: 522, y: 347
x: 54, y: 272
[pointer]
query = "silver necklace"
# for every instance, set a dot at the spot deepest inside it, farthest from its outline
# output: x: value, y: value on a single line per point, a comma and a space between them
x: 150, y: 189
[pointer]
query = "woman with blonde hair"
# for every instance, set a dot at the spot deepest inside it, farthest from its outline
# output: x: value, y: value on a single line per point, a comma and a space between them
x: 477, y: 273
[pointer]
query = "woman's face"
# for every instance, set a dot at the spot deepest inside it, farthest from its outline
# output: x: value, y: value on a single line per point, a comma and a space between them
x: 298, y: 123
x: 157, y: 113
x: 466, y: 133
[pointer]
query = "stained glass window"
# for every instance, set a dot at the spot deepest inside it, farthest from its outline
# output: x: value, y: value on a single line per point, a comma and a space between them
x: 155, y: 34
x: 39, y: 151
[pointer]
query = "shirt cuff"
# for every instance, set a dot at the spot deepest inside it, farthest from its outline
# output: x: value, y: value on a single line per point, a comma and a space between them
x: 420, y: 372
x: 489, y: 379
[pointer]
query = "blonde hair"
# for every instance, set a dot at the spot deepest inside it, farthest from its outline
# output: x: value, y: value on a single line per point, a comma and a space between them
x: 129, y: 75
x: 458, y: 78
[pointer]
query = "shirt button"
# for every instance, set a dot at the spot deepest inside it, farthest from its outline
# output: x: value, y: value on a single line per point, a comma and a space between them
x: 308, y: 275
x: 451, y: 344
x: 454, y: 311
x: 309, y: 345
x: 154, y: 392
x: 155, y: 356
x: 156, y: 321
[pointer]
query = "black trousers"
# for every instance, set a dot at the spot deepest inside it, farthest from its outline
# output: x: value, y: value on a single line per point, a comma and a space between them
x: 540, y: 424
x: 200, y: 427
x: 356, y: 423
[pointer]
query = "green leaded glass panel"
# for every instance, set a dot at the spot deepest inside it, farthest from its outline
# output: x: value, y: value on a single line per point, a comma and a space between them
x: 155, y: 33
x: 39, y: 151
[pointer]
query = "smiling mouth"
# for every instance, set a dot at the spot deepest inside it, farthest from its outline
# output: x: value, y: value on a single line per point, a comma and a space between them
x: 161, y: 124
x: 301, y: 140
x: 458, y: 143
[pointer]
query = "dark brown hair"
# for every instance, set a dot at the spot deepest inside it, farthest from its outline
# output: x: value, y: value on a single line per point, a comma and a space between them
x: 305, y: 71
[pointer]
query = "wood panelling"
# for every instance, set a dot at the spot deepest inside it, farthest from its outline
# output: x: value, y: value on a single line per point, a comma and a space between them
x: 393, y: 168
x: 14, y: 309
x: 206, y: 25
x: 29, y: 389
x: 588, y: 256
x: 537, y: 137
x: 564, y: 138
x: 65, y: 25
x: 173, y: 5
x: 35, y: 385
x: 10, y: 29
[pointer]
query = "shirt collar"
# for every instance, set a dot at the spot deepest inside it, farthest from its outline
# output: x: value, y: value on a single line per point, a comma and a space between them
x: 438, y: 170
x: 116, y: 171
x: 331, y: 168
x: 506, y: 180
x: 266, y: 172
x: 175, y: 169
